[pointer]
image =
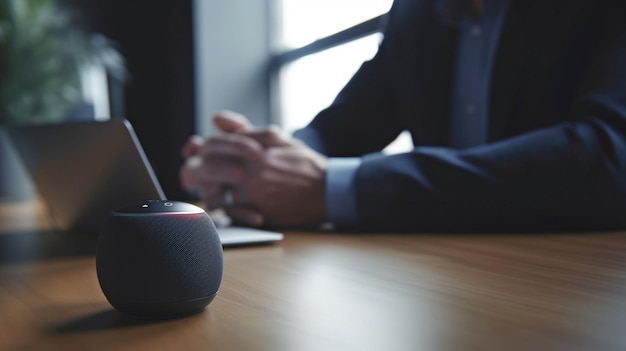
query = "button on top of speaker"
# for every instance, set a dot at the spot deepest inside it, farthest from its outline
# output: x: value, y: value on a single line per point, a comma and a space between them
x: 157, y: 206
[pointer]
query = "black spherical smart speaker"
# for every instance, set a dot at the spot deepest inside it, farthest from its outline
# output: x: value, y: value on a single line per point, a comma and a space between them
x: 159, y: 259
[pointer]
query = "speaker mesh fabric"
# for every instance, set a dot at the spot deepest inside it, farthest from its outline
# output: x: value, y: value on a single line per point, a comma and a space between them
x: 159, y: 258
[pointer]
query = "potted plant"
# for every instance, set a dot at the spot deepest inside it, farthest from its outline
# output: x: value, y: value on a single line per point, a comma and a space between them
x: 42, y: 54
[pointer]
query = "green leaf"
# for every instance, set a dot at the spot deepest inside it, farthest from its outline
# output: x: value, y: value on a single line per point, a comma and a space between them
x: 41, y: 52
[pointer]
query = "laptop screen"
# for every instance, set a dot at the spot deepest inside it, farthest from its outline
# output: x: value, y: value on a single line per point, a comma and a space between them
x: 83, y: 170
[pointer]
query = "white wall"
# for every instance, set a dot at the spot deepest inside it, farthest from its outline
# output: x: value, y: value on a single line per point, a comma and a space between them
x: 232, y: 54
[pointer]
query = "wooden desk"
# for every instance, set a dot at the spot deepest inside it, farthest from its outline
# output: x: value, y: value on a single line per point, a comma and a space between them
x: 318, y: 291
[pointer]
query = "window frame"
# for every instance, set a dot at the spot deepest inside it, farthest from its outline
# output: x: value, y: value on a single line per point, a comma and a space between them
x: 358, y: 31
x: 280, y: 59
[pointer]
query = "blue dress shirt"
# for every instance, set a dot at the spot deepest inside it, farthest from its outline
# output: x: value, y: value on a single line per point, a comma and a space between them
x: 478, y: 39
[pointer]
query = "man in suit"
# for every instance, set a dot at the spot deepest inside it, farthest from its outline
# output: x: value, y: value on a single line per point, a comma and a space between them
x: 517, y: 110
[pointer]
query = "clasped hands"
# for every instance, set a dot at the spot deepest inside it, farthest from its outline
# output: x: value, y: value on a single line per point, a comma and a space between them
x: 268, y: 178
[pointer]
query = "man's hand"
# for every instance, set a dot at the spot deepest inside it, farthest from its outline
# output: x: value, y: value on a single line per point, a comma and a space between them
x: 275, y: 180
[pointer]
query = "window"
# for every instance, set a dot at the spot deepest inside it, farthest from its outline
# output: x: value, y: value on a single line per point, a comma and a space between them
x: 315, y: 62
x: 321, y: 44
x: 304, y: 21
x: 306, y: 88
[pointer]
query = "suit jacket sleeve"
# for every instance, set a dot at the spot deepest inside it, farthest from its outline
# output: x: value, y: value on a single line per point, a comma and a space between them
x: 567, y: 175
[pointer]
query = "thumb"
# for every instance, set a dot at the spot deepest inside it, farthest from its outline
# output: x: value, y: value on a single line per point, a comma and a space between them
x: 231, y: 122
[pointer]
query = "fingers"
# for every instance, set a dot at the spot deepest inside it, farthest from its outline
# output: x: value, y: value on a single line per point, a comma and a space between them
x: 226, y: 158
x: 231, y: 122
x: 213, y: 197
x: 245, y: 216
x: 219, y: 161
x: 269, y: 137
x: 229, y: 159
x: 189, y: 173
x: 199, y: 171
x: 191, y: 147
x: 235, y: 123
x: 226, y: 121
x: 232, y: 146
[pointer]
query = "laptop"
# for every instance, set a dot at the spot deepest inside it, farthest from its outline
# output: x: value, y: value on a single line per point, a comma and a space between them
x: 84, y: 170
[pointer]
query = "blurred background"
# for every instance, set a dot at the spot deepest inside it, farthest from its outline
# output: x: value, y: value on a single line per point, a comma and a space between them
x: 167, y: 65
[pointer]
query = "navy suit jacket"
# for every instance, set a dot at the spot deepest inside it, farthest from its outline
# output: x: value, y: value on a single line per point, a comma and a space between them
x: 556, y: 156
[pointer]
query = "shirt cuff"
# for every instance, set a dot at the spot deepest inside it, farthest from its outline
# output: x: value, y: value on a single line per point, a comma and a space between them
x: 340, y: 190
